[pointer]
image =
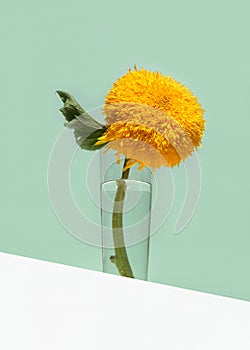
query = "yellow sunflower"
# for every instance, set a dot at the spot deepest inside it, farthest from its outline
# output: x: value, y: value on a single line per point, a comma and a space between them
x: 152, y: 119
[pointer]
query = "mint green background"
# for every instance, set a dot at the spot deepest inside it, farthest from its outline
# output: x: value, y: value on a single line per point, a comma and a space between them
x: 83, y: 47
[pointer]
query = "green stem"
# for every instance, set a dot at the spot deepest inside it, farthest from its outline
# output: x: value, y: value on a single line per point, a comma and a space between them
x: 120, y: 259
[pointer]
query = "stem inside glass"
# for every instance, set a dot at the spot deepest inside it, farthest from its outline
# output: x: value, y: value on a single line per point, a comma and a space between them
x: 120, y: 259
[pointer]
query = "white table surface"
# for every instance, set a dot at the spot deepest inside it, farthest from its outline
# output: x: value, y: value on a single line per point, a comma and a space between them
x: 56, y: 307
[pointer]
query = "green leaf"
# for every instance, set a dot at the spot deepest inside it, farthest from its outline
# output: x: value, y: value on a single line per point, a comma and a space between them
x: 87, y: 132
x: 89, y: 142
x: 71, y: 107
x: 86, y: 129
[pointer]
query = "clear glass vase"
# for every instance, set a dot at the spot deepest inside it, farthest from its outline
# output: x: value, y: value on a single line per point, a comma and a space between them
x: 125, y: 217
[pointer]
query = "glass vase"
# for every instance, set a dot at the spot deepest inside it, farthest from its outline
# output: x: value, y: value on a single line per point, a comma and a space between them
x: 125, y: 217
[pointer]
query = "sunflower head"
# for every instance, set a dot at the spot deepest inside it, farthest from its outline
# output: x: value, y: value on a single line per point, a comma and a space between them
x: 152, y: 119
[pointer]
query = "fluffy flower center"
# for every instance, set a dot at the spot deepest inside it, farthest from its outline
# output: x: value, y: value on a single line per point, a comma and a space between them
x: 152, y: 119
